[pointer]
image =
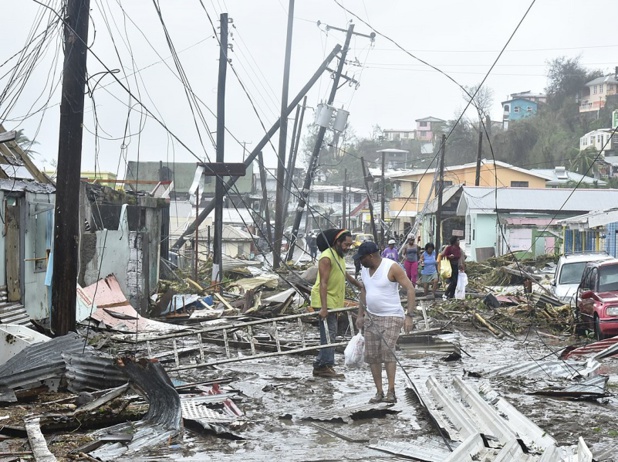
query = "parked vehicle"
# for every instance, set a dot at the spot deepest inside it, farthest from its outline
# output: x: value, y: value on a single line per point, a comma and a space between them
x: 597, y: 298
x: 568, y: 274
x: 359, y: 238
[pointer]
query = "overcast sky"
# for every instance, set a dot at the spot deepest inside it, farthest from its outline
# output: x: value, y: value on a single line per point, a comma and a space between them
x: 462, y: 38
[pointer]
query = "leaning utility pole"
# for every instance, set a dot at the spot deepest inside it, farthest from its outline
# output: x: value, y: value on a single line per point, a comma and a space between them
x: 383, y: 203
x: 217, y: 257
x: 315, y: 155
x: 440, y: 191
x: 370, y: 202
x: 258, y: 148
x: 66, y: 217
x: 344, y: 199
x: 280, y: 213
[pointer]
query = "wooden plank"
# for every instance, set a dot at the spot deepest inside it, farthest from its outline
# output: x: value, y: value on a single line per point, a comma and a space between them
x: 12, y: 257
x: 37, y: 441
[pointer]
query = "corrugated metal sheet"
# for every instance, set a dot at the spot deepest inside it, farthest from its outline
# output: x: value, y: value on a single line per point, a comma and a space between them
x: 529, y: 199
x: 551, y: 368
x: 29, y: 186
x: 609, y: 344
x: 115, y: 311
x: 425, y: 451
x: 13, y: 313
x: 92, y: 372
x: 164, y: 417
x: 40, y: 361
x: 351, y: 412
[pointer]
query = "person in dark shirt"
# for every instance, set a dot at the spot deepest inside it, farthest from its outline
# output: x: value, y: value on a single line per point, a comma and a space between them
x: 454, y: 255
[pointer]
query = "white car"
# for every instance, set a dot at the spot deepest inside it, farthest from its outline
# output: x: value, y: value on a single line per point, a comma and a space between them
x: 569, y: 273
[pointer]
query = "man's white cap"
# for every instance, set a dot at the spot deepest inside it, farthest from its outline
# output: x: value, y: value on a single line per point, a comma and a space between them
x: 392, y: 241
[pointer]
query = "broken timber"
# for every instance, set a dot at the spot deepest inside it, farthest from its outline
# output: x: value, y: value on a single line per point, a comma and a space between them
x: 254, y: 343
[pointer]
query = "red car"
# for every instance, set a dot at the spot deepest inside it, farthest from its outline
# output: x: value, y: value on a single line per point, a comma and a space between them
x: 597, y: 298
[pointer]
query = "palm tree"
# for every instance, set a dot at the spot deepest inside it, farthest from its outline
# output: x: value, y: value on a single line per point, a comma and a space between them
x: 24, y: 142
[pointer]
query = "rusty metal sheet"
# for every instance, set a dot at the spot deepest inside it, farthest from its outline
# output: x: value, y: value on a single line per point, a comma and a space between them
x: 115, y: 311
x: 591, y: 348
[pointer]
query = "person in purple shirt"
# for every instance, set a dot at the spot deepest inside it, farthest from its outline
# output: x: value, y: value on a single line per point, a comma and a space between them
x: 391, y: 252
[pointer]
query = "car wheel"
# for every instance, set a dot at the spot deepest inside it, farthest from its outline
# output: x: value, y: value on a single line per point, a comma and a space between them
x: 597, y: 329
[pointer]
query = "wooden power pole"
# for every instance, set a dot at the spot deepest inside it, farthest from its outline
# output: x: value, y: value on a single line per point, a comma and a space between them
x: 440, y: 191
x: 383, y: 204
x: 217, y: 257
x: 315, y: 155
x: 66, y: 217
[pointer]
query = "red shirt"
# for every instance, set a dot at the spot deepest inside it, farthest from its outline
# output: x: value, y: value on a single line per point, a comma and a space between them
x: 452, y: 250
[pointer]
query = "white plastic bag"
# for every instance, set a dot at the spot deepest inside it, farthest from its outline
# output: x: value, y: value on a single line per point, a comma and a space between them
x: 462, y: 282
x: 354, y: 352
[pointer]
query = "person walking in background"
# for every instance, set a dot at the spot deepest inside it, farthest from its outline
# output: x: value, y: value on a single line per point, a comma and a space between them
x: 329, y: 292
x: 454, y: 255
x: 429, y: 269
x: 313, y: 246
x: 391, y: 252
x: 411, y: 260
x: 381, y: 315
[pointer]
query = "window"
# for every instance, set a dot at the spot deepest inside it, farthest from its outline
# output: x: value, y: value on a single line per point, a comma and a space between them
x: 320, y: 197
x: 42, y: 239
x: 516, y: 109
x: 337, y: 197
x: 422, y: 124
x: 519, y: 184
x: 529, y: 109
x: 414, y: 187
x: 507, y: 108
x: 601, y: 88
x: 594, y: 90
x: 599, y: 138
x: 358, y: 197
x: 592, y: 140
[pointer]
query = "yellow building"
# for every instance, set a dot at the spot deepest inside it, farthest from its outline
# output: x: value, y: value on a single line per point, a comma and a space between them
x: 412, y: 188
x: 104, y: 178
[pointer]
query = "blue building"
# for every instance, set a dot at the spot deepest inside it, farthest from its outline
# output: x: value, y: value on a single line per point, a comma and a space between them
x: 520, y: 105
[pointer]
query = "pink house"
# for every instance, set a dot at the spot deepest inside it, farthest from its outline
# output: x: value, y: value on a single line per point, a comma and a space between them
x: 425, y: 128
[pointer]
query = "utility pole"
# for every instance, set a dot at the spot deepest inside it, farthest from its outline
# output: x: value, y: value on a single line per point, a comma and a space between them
x: 479, y: 153
x: 344, y: 200
x: 370, y: 202
x: 197, y: 234
x: 280, y: 205
x: 440, y: 190
x: 315, y: 155
x: 258, y: 148
x: 66, y: 217
x: 217, y: 257
x: 383, y: 203
x: 264, y: 203
x: 296, y: 134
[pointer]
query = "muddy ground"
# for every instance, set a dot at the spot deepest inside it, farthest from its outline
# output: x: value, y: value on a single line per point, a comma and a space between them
x: 277, y: 392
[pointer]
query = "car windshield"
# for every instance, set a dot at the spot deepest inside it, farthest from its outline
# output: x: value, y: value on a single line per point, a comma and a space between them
x: 608, y: 278
x: 572, y: 272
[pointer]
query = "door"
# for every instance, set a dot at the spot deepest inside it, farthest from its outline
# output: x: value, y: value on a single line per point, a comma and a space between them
x: 12, y: 241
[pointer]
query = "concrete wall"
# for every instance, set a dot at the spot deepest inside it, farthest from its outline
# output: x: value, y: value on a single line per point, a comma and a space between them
x: 480, y: 233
